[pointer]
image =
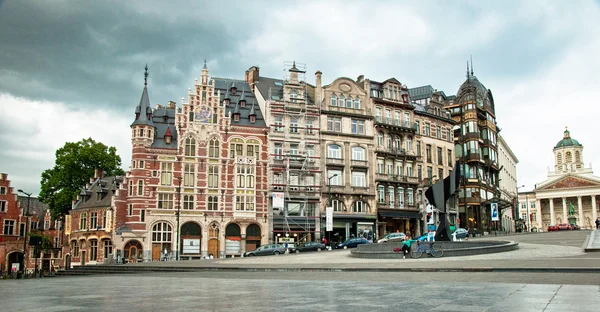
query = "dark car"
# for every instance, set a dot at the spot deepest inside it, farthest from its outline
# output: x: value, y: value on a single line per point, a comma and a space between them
x: 352, y: 243
x: 266, y: 250
x: 308, y: 246
x: 461, y: 233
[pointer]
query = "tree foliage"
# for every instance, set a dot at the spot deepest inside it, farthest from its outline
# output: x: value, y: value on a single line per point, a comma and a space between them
x: 74, y: 166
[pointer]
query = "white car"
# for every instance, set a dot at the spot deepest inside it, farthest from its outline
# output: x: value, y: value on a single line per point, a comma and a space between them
x: 392, y: 237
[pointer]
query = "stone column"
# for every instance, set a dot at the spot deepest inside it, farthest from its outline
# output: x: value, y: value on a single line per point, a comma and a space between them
x: 594, y: 211
x: 538, y: 214
x: 552, y: 216
x: 564, y: 202
x: 580, y: 211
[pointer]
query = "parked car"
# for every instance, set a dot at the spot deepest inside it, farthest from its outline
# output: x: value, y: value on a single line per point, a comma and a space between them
x: 392, y: 237
x: 575, y: 227
x: 308, y: 246
x: 422, y: 238
x: 352, y: 243
x: 461, y: 233
x: 266, y: 250
x: 564, y: 226
x: 552, y: 228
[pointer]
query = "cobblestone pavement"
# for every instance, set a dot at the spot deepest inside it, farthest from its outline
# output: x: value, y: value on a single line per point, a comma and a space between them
x: 192, y: 292
x: 525, y: 252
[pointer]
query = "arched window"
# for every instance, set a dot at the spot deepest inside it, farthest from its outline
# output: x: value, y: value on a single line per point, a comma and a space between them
x: 341, y: 101
x: 349, y: 102
x: 213, y: 148
x: 380, y: 139
x: 358, y: 153
x: 381, y: 194
x: 188, y: 202
x: 397, y: 143
x: 356, y: 103
x: 334, y: 151
x: 190, y: 147
x: 577, y: 157
x: 161, y: 232
x: 568, y: 157
x: 391, y: 195
x: 333, y: 100
x: 293, y: 95
x: 559, y: 159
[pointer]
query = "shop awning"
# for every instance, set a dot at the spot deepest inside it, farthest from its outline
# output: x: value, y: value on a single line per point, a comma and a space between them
x: 400, y: 214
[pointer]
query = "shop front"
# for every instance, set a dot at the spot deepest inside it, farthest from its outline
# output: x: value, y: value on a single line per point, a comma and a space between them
x: 349, y: 226
x: 391, y: 221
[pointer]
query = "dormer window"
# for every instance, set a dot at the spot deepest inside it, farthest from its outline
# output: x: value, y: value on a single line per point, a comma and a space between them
x: 168, y: 136
x: 242, y: 103
x: 405, y: 98
x: 233, y: 89
x: 236, y: 117
x: 166, y: 117
x: 253, y: 119
x: 226, y: 102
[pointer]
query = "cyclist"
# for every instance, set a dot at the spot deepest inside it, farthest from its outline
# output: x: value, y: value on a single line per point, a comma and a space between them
x: 406, y: 246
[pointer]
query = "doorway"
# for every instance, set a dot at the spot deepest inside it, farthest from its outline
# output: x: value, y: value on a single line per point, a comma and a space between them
x: 83, y: 257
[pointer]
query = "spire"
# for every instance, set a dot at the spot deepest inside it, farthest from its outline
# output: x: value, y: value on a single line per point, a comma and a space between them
x: 471, y: 64
x: 204, y: 67
x: 236, y: 109
x: 467, y: 70
x: 567, y: 134
x: 252, y: 111
x: 242, y: 97
x: 233, y: 85
x: 146, y: 75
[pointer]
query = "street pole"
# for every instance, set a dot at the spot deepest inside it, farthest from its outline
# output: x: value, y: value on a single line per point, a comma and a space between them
x: 518, y: 208
x: 178, y: 213
x: 328, y: 205
x: 528, y: 218
x: 25, y: 234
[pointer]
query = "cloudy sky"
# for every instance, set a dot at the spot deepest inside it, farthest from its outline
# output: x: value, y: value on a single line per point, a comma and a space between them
x: 73, y: 69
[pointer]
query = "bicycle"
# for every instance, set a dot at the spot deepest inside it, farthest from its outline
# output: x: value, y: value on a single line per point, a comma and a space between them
x: 432, y: 251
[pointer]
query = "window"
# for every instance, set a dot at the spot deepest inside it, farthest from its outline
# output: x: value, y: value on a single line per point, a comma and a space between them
x: 440, y: 173
x: 349, y: 102
x: 130, y: 188
x: 428, y: 152
x: 190, y: 147
x: 161, y: 232
x: 294, y: 125
x: 142, y: 215
x: 380, y: 194
x: 410, y: 200
x: 408, y: 144
x: 450, y: 158
x: 252, y: 150
x: 356, y: 103
x: 188, y: 202
x: 2, y: 206
x: 83, y: 221
x: 358, y: 153
x: 358, y: 126
x: 391, y: 195
x: 336, y: 205
x: 448, y: 135
x: 294, y: 148
x: 359, y: 207
x: 409, y: 170
x: 9, y: 227
x: 440, y: 156
x: 245, y: 176
x: 420, y: 172
x: 438, y: 132
x: 334, y: 124
x: 335, y: 177
x: 213, y: 176
x: 278, y: 150
x: 141, y: 164
x: 75, y: 248
x: 427, y: 129
x: 334, y: 151
x: 244, y: 203
x: 278, y: 123
x: 308, y: 127
x: 93, y: 249
x: 93, y: 220
x: 165, y: 201
x: 418, y: 148
x: 166, y: 173
x: 105, y: 218
x: 310, y: 152
x: 2, y: 190
x: 236, y: 149
x: 380, y: 139
x: 429, y: 173
x: 21, y: 229
x: 130, y: 210
x: 418, y: 126
x: 359, y: 179
x: 213, y: 148
x: 213, y: 203
x: 189, y: 175
x: 380, y: 165
x: 333, y: 100
x: 107, y: 248
x: 46, y: 225
x: 341, y: 101
x: 400, y: 191
x: 141, y: 132
x: 140, y: 188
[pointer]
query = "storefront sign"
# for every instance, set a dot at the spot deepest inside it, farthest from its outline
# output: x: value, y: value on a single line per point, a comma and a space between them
x: 191, y: 246
x: 329, y: 219
x: 495, y: 215
x: 278, y: 200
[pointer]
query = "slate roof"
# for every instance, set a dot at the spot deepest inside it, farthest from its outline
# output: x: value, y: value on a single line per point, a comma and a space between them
x: 423, y: 92
x: 143, y: 109
x: 243, y: 89
x: 163, y: 119
x: 107, y: 186
x: 36, y: 207
x: 274, y: 88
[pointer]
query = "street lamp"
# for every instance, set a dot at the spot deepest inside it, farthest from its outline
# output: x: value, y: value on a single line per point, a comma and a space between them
x: 329, y: 200
x: 178, y: 213
x: 25, y: 234
x: 518, y: 210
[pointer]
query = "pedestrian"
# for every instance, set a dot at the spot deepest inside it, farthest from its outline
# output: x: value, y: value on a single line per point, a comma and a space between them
x: 325, y: 241
x: 406, y: 245
x: 597, y: 224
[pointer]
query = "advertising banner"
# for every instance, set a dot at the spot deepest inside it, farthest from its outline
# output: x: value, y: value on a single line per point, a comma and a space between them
x: 495, y: 214
x: 329, y: 219
x: 191, y: 246
x: 278, y: 201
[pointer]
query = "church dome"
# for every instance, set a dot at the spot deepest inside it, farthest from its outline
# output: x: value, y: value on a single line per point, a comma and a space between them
x: 473, y: 89
x: 567, y: 141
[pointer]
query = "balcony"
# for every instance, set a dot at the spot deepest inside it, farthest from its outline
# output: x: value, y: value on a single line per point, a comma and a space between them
x: 397, y: 124
x: 334, y: 161
x: 361, y: 190
x: 360, y: 164
x: 396, y: 178
x: 395, y: 151
x: 350, y: 111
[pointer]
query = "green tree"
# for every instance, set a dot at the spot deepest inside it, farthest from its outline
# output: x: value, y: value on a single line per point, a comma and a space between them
x: 74, y: 166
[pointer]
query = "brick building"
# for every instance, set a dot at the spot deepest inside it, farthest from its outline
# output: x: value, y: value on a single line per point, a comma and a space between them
x: 207, y: 162
x: 38, y: 221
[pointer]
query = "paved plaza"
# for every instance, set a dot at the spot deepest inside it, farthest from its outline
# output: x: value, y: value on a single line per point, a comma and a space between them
x: 196, y: 292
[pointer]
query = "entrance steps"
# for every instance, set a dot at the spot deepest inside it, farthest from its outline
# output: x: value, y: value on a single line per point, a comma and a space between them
x: 592, y: 242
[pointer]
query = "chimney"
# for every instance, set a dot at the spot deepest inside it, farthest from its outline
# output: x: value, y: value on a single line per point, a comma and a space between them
x: 171, y: 105
x: 97, y: 173
x: 318, y: 87
x: 252, y: 75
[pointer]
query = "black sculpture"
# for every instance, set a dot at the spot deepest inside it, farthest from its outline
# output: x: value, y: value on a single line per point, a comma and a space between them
x: 437, y: 195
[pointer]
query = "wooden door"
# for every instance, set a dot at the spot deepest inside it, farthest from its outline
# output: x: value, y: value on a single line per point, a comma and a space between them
x: 83, y: 258
x: 213, y: 247
x: 133, y: 254
x: 155, y: 252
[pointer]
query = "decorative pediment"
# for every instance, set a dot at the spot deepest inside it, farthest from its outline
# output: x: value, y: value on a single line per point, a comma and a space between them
x: 570, y: 182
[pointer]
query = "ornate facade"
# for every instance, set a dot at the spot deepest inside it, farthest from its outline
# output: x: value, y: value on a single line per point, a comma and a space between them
x: 569, y: 195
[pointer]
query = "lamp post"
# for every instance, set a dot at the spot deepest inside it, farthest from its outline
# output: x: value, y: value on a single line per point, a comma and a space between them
x: 518, y: 210
x: 178, y: 213
x: 329, y: 203
x: 25, y: 234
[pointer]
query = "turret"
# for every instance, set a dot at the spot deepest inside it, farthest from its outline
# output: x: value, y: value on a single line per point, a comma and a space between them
x: 142, y: 127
